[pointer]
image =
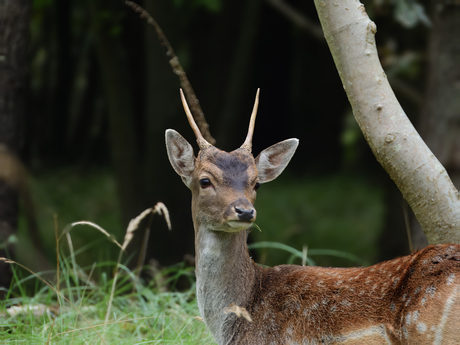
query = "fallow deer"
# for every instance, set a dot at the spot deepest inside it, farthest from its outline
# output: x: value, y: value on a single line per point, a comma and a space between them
x: 409, y: 300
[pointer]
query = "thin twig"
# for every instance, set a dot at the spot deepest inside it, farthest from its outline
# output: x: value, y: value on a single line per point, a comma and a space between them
x: 192, y: 100
x: 298, y: 19
x: 74, y: 262
x: 161, y: 209
x: 142, y: 254
x: 57, y: 270
x: 112, y: 292
x: 88, y: 280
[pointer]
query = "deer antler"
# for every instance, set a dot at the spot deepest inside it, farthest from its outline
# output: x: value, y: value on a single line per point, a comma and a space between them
x: 247, y: 145
x: 202, y: 142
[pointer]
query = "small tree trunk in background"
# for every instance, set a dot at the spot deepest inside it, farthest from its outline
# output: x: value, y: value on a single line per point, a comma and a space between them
x: 163, y: 110
x: 122, y: 125
x: 8, y: 229
x: 64, y: 71
x: 440, y: 115
x: 393, y: 240
x: 236, y: 89
x: 14, y: 41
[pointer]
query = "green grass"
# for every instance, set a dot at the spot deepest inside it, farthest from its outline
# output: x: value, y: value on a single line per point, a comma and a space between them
x: 140, y: 313
x: 86, y: 305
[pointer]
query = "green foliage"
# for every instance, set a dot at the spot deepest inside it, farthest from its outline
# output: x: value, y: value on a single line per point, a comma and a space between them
x: 337, y: 212
x: 305, y: 255
x: 72, y: 196
x: 350, y: 136
x: 41, y: 4
x: 276, y: 245
x: 210, y: 5
x: 409, y: 13
x: 116, y: 30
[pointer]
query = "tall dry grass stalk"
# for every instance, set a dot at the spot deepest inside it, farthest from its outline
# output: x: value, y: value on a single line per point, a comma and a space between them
x: 159, y: 208
x: 133, y: 225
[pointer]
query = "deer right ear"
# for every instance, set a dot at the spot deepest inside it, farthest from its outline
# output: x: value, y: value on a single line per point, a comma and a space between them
x: 180, y: 154
x: 272, y: 161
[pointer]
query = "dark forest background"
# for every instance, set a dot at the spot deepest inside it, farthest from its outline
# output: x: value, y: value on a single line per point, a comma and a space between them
x: 87, y: 92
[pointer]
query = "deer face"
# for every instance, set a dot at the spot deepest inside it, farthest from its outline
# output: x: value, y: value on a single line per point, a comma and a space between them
x: 224, y: 184
x: 224, y: 189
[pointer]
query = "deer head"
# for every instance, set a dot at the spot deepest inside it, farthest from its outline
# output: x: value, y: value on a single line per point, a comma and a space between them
x: 224, y: 184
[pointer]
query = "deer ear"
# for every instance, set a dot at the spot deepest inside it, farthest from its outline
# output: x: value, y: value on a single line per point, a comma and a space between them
x: 180, y: 154
x: 272, y: 161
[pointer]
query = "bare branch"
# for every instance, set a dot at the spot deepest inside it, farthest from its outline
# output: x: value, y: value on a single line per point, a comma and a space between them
x: 179, y: 71
x: 396, y: 144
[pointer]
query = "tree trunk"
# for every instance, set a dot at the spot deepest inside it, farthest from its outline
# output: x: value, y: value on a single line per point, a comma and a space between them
x: 14, y: 40
x: 238, y: 78
x: 122, y: 125
x: 440, y: 114
x: 64, y: 71
x: 420, y: 177
x: 163, y: 110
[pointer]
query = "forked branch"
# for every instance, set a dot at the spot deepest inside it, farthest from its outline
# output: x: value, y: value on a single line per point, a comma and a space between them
x: 396, y: 144
x: 179, y: 71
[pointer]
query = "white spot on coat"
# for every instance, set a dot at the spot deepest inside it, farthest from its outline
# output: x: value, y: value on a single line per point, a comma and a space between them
x: 421, y: 327
x: 408, y: 318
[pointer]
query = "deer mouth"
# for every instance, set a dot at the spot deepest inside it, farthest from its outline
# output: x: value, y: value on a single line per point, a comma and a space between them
x: 238, y: 225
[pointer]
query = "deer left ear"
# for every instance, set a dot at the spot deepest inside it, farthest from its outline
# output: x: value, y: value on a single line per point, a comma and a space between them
x: 180, y: 154
x: 272, y: 161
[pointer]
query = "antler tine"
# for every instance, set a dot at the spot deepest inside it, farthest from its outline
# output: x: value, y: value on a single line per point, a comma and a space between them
x: 202, y: 142
x: 248, y: 142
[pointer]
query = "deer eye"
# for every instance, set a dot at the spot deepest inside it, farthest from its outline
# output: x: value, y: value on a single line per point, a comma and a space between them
x: 256, y: 186
x: 205, y: 183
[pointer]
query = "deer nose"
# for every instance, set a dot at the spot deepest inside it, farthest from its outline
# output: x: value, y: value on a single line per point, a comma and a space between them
x: 243, y: 214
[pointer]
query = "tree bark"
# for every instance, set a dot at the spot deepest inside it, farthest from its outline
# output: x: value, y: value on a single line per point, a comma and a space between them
x: 14, y: 40
x: 163, y: 109
x: 64, y: 70
x: 398, y: 147
x: 240, y: 68
x: 122, y: 126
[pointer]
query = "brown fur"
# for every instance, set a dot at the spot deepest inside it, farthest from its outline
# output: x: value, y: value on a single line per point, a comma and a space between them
x: 404, y: 300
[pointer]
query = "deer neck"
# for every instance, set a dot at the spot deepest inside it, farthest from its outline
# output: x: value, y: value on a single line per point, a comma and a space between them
x: 225, y: 274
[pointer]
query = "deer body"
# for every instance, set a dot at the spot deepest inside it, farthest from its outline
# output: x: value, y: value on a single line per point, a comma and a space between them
x: 409, y: 300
